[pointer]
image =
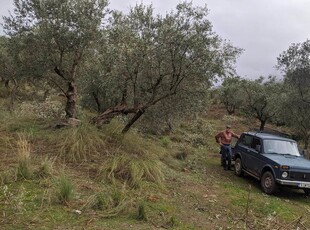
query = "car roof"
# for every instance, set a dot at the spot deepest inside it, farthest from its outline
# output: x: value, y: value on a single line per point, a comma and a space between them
x: 269, y: 136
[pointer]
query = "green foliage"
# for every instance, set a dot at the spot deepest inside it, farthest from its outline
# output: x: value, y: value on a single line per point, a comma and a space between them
x: 261, y: 99
x: 232, y: 94
x: 295, y: 110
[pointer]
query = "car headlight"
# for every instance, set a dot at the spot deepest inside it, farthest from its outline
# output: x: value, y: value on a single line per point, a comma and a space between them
x: 285, y: 174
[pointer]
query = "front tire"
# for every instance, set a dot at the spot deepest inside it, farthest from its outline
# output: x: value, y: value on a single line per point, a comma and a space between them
x: 307, y: 191
x: 268, y: 183
x: 238, y: 167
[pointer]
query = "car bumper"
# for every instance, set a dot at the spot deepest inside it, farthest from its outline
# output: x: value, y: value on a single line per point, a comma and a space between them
x: 298, y: 184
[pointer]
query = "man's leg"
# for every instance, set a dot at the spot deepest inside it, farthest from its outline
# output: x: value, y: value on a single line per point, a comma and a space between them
x: 229, y: 154
x: 224, y: 156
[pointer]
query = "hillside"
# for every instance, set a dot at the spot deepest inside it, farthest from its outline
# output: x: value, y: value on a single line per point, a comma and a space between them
x: 85, y: 178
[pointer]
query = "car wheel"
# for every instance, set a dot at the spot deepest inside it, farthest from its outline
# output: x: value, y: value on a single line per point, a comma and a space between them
x: 307, y: 191
x: 238, y: 167
x: 268, y: 183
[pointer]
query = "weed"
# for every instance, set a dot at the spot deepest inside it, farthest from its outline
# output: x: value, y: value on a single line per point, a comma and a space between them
x: 65, y: 190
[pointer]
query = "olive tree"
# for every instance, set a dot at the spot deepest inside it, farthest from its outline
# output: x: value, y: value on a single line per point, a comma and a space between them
x: 232, y: 94
x: 295, y: 64
x: 53, y: 37
x: 158, y: 57
x: 261, y: 99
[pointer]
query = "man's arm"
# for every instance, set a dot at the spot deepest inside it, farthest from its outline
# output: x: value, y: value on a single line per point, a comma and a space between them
x: 218, y: 137
x: 235, y: 135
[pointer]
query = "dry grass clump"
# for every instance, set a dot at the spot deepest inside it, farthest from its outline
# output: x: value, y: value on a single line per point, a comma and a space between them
x: 25, y: 167
x: 133, y: 170
x: 111, y: 202
x: 46, y: 167
x: 81, y: 143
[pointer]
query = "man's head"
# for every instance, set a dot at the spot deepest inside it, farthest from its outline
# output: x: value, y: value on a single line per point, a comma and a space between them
x: 228, y: 127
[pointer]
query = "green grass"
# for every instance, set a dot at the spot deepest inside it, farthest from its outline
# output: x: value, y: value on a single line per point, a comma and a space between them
x: 92, y: 178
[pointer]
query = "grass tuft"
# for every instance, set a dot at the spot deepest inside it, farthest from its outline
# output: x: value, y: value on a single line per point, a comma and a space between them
x: 25, y: 168
x: 65, y: 189
x: 46, y: 167
x: 133, y: 169
x: 111, y: 202
x: 80, y: 143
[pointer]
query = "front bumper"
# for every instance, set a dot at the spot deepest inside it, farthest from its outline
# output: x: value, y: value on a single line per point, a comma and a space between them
x: 297, y: 184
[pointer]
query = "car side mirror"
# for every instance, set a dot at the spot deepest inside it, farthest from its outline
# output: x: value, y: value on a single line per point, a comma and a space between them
x: 257, y: 148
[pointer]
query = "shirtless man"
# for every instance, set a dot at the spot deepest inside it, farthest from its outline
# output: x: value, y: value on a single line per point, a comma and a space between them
x: 224, y: 139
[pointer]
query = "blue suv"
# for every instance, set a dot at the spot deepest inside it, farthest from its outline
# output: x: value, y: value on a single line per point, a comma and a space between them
x: 272, y: 159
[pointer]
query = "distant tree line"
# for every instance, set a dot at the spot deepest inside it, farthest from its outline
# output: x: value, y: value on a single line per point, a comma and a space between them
x: 285, y: 101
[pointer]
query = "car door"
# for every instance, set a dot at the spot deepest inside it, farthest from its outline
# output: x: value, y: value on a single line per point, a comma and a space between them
x: 255, y: 158
x: 244, y: 145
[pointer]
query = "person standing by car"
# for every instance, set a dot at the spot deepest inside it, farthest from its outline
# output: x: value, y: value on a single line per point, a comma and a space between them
x: 224, y: 138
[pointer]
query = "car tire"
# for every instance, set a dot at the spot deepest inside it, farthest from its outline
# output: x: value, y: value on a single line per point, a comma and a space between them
x: 238, y: 167
x: 307, y: 191
x: 268, y: 183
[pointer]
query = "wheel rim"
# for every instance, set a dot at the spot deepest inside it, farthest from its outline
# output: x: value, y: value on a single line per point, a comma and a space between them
x: 238, y: 166
x: 268, y: 182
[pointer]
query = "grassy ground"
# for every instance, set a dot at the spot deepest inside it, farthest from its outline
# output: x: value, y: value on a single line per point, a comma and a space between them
x: 84, y: 178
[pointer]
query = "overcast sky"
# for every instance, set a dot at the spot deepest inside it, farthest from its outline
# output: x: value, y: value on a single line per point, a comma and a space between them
x: 263, y: 28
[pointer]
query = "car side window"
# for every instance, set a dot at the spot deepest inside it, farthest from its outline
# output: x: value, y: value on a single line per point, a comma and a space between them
x: 247, y: 140
x: 256, y: 145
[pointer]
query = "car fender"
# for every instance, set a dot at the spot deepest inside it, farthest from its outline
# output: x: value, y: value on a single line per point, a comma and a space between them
x: 268, y: 168
x: 238, y: 155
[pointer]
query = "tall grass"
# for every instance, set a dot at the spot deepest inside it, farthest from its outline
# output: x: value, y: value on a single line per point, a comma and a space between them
x: 133, y: 170
x: 25, y: 167
x: 81, y: 143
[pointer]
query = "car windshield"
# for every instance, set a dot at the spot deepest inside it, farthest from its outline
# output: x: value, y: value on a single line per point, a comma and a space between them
x: 281, y: 147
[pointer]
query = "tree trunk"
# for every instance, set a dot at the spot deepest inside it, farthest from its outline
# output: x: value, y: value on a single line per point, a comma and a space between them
x: 306, y: 142
x: 71, y: 101
x: 262, y: 124
x: 133, y: 120
x: 95, y: 95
